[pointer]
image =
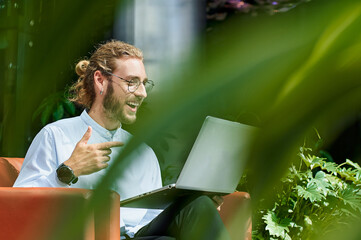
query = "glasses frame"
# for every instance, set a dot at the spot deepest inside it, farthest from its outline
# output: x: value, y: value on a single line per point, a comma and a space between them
x: 150, y: 83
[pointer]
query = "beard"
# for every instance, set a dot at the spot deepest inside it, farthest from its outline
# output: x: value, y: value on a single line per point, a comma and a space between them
x: 114, y: 110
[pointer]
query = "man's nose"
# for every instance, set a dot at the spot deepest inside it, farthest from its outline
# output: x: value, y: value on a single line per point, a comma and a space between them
x: 141, y: 92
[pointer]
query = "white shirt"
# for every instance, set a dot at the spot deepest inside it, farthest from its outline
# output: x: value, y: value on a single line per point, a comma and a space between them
x: 55, y: 143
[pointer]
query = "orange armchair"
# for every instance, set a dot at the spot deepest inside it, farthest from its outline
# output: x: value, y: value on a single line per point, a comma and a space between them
x: 236, y: 215
x: 36, y: 213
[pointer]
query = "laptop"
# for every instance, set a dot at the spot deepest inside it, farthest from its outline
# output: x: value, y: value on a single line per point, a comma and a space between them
x: 214, y: 165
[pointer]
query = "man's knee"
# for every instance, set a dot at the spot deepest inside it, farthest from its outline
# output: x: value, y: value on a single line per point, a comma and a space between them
x: 203, y: 200
x: 201, y: 220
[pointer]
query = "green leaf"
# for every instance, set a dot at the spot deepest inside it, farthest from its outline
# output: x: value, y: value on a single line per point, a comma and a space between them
x: 330, y: 167
x: 321, y: 182
x: 352, y: 197
x: 349, y: 213
x: 317, y: 162
x: 335, y: 182
x: 310, y: 192
x: 45, y: 115
x: 277, y: 227
x: 312, y: 161
x: 347, y: 173
x: 358, y: 175
x: 50, y: 106
x: 40, y: 109
x: 355, y: 165
x: 333, y: 200
x: 59, y: 112
x: 308, y: 220
x: 326, y: 155
x: 69, y: 107
x: 306, y: 159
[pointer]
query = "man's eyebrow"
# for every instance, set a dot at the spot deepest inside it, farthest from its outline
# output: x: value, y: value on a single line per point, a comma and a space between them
x: 136, y: 77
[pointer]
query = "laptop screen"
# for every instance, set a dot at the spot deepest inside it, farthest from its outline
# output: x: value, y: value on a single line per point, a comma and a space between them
x: 217, y: 158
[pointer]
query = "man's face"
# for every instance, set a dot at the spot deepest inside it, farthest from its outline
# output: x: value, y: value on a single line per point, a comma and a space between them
x: 120, y: 104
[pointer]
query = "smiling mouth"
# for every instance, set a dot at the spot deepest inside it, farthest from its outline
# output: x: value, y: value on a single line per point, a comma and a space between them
x: 133, y: 105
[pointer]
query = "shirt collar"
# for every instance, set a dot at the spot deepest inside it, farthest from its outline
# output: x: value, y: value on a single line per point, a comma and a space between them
x: 97, y: 127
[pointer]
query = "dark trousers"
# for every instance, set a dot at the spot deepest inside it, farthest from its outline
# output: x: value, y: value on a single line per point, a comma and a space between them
x: 188, y: 218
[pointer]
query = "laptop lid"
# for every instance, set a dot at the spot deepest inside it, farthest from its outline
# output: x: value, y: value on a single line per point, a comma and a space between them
x: 217, y: 158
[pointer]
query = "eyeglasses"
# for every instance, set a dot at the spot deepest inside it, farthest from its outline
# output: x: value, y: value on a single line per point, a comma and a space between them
x: 134, y: 84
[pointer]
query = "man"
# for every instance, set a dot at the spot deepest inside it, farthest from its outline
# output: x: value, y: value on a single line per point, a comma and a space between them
x: 76, y: 152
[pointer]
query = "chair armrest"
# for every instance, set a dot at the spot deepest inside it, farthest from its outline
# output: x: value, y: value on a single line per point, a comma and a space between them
x: 9, y: 170
x: 40, y: 213
x: 15, y: 162
x: 236, y: 215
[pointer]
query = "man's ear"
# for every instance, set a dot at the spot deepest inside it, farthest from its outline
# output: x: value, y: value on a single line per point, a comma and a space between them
x: 99, y: 80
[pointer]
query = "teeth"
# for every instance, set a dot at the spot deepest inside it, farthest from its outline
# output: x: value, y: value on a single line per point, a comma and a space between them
x: 133, y: 104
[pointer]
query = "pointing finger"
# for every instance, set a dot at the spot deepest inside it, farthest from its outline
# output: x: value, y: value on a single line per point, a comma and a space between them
x: 86, y: 135
x: 106, y: 145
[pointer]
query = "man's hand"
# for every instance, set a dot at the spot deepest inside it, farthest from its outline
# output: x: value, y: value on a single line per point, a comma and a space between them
x: 89, y: 158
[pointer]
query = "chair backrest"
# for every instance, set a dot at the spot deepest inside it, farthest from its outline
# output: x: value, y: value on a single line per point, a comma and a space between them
x: 9, y: 170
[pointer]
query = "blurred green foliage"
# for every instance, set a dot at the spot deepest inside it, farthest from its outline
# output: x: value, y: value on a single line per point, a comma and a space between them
x: 54, y: 107
x: 292, y: 71
x: 40, y: 43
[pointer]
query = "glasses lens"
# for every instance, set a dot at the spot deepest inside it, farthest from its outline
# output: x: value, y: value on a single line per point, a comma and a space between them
x: 132, y: 88
x: 133, y: 85
x: 148, y: 86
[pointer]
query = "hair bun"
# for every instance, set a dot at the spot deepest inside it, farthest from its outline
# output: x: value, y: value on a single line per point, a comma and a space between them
x: 80, y: 68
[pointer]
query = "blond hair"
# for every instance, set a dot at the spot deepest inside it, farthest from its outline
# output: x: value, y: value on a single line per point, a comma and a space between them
x: 103, y: 59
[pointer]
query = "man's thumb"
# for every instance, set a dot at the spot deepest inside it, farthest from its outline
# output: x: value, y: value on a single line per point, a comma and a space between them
x: 87, y: 135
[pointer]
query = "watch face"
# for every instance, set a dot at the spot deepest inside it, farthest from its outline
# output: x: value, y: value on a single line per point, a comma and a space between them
x: 64, y: 174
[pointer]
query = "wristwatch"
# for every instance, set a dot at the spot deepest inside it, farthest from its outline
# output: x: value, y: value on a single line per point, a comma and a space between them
x: 66, y: 175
